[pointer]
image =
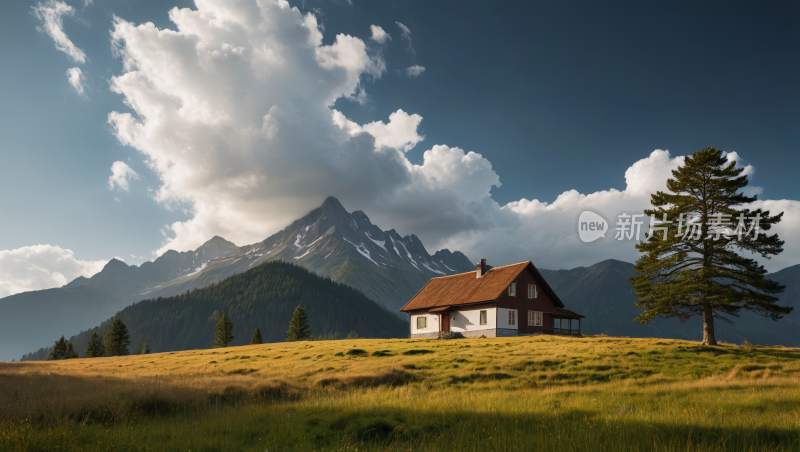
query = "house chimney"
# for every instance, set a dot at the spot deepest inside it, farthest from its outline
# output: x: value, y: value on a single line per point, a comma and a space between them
x: 481, y: 268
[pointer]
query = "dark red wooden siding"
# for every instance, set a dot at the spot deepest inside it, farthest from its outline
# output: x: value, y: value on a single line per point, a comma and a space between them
x: 523, y: 304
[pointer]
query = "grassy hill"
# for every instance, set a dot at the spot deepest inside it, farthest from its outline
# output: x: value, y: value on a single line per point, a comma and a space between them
x: 506, y: 394
x: 263, y: 297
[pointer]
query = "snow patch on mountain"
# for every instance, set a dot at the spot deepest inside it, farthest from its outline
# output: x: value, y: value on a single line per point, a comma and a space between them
x: 363, y: 250
x: 394, y: 246
x: 315, y: 241
x: 413, y: 262
x: 198, y: 269
x: 303, y: 255
x: 299, y: 239
x: 435, y: 271
x: 380, y: 243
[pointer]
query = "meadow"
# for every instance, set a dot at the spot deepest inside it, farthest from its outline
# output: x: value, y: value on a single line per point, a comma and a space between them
x: 544, y: 393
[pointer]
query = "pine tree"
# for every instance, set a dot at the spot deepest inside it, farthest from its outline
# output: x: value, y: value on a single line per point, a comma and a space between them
x: 299, y: 328
x: 101, y: 346
x: 352, y: 335
x: 117, y: 339
x: 256, y: 338
x: 224, y: 333
x: 93, y: 348
x: 59, y: 349
x: 62, y: 350
x: 692, y: 264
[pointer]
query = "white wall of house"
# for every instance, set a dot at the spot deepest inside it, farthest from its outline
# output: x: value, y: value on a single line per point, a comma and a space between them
x: 461, y: 321
x: 502, y: 319
x: 433, y: 324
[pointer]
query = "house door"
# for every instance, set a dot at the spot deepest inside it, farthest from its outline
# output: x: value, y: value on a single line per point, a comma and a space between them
x: 445, y: 322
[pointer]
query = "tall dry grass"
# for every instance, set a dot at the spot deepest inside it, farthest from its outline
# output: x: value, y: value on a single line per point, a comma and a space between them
x: 548, y: 393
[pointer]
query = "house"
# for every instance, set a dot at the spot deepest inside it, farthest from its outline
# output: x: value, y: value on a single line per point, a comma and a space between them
x: 492, y: 302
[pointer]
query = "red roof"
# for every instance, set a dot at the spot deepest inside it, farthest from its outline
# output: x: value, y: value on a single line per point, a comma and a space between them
x: 465, y: 288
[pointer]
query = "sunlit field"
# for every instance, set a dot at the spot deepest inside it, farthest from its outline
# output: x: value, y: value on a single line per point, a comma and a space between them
x: 508, y: 394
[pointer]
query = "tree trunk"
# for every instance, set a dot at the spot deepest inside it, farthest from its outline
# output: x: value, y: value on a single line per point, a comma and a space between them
x: 708, y: 325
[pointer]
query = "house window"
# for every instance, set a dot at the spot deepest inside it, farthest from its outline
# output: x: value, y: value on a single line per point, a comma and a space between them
x: 532, y: 292
x: 512, y: 289
x: 484, y: 318
x: 422, y: 323
x: 512, y: 317
x: 535, y: 318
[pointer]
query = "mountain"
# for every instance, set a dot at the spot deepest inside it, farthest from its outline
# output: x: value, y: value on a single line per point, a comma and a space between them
x: 346, y: 247
x: 789, y: 326
x: 32, y: 319
x: 263, y: 297
x: 603, y: 293
x: 329, y: 241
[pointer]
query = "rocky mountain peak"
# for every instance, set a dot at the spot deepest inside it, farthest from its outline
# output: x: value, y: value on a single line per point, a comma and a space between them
x: 114, y: 265
x: 332, y: 204
x: 319, y: 220
x: 218, y: 246
x: 328, y: 240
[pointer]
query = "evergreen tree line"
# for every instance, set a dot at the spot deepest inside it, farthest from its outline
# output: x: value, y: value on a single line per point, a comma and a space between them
x: 299, y: 329
x: 114, y: 342
x: 264, y: 297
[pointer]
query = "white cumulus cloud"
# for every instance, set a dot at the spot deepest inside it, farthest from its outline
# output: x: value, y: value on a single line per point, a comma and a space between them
x: 50, y: 13
x: 75, y: 77
x: 545, y: 231
x: 787, y: 230
x: 41, y: 267
x: 233, y: 115
x: 466, y: 173
x: 415, y: 70
x: 232, y: 111
x: 121, y: 174
x: 399, y: 133
x: 379, y: 35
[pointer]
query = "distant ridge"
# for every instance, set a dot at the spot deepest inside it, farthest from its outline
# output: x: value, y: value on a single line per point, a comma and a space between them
x: 603, y: 293
x: 329, y: 241
x: 263, y: 297
x: 31, y: 319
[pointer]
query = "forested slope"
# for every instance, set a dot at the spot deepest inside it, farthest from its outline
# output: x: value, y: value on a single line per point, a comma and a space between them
x: 263, y: 297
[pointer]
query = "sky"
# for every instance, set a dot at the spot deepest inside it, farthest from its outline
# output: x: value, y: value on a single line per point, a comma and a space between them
x: 131, y: 127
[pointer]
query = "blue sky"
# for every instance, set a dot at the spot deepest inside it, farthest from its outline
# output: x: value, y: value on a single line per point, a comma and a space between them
x: 555, y: 97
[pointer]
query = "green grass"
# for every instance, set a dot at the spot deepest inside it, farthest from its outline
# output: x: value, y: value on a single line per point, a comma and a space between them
x: 509, y: 394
